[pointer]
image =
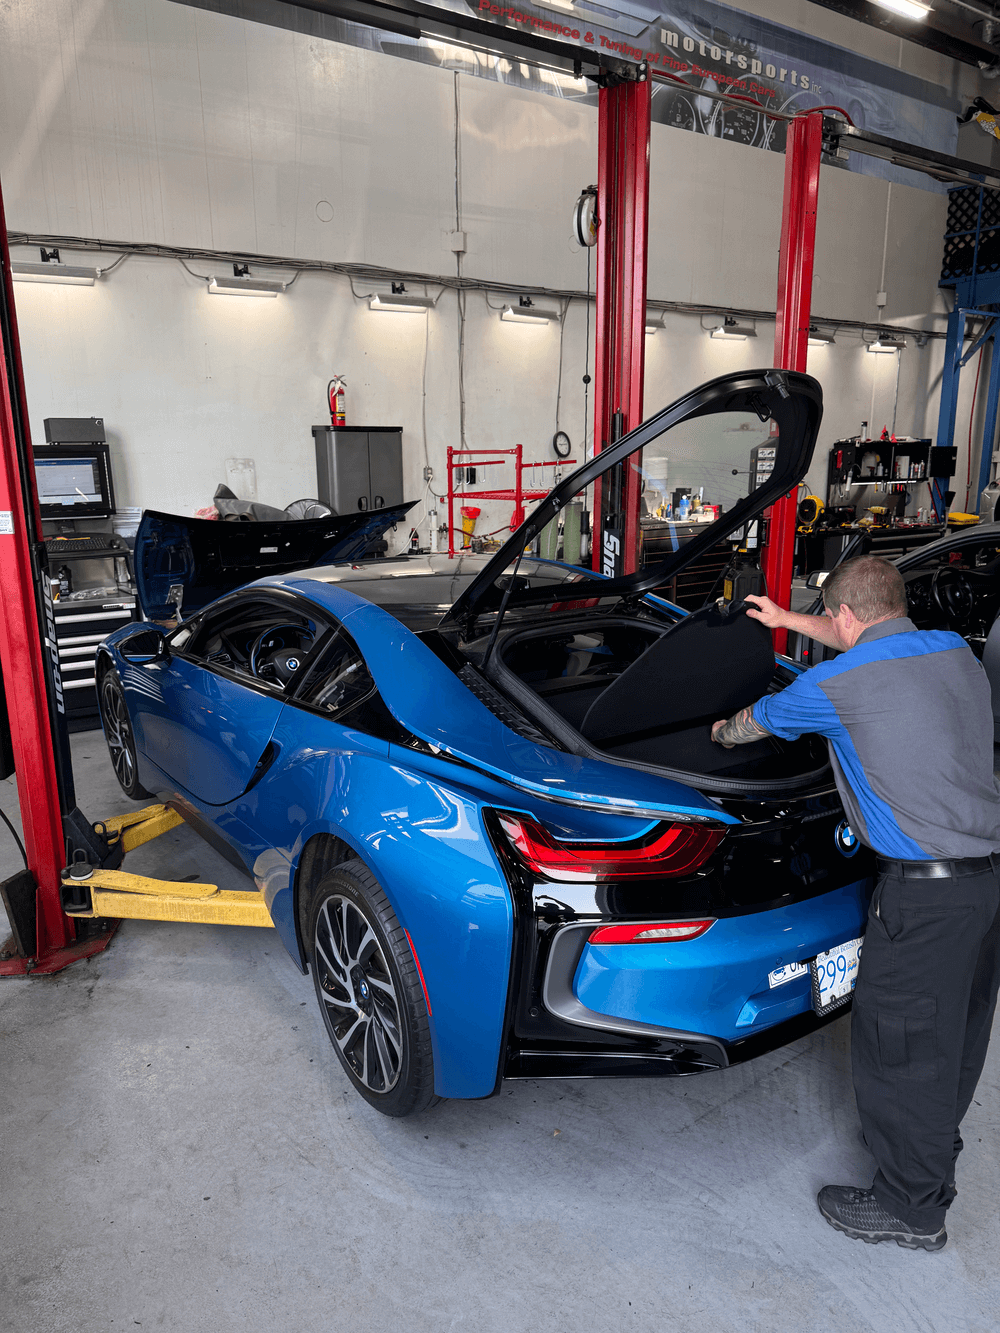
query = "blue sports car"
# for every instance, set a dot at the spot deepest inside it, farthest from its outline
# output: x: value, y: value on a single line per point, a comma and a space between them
x: 480, y: 796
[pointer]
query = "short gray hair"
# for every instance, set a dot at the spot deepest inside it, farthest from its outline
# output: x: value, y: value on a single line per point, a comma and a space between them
x: 870, y: 586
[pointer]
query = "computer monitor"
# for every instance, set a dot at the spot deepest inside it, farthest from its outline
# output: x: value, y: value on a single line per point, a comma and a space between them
x: 74, y: 481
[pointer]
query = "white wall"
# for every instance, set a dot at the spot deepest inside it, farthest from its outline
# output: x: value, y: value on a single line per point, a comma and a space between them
x: 143, y: 120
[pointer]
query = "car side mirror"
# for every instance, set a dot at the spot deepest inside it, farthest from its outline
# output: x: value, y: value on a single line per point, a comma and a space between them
x: 146, y: 645
x: 817, y: 578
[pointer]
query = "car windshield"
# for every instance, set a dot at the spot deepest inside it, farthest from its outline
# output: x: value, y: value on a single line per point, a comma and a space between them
x: 976, y: 555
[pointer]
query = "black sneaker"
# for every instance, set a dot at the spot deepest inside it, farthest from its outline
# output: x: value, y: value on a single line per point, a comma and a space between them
x: 859, y: 1215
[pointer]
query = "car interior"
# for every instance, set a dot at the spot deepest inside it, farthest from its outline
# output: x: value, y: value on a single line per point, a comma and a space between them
x: 960, y: 590
x: 255, y: 639
x: 283, y: 648
x: 650, y: 695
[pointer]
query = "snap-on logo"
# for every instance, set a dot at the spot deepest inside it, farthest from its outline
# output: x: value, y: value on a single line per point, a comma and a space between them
x: 611, y: 548
x: 846, y: 839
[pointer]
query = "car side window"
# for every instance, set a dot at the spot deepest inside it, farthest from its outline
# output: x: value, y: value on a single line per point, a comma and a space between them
x: 340, y: 681
x: 254, y: 638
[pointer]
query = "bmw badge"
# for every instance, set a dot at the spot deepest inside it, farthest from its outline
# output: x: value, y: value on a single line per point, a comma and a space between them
x: 846, y: 839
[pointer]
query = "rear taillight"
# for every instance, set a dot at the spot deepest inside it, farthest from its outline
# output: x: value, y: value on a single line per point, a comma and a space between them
x: 668, y: 849
x: 650, y: 932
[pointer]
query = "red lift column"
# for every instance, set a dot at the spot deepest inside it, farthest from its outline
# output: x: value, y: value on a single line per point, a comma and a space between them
x: 623, y: 213
x: 44, y: 776
x: 21, y: 652
x: 803, y: 150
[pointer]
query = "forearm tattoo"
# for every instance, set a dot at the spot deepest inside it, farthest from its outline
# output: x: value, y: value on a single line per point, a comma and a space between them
x: 740, y: 729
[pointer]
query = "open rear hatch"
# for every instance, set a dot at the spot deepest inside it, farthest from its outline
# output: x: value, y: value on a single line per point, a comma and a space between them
x: 609, y: 673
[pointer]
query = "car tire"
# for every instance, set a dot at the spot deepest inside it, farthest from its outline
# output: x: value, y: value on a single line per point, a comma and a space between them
x: 119, y: 735
x: 370, y: 992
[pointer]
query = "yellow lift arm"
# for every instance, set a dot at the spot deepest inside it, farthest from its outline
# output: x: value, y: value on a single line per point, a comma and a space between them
x: 91, y: 892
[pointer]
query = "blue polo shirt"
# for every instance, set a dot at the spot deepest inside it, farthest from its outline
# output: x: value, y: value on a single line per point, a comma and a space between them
x: 909, y: 719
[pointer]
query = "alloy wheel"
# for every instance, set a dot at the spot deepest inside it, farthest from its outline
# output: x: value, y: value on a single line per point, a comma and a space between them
x: 355, y: 985
x: 118, y: 731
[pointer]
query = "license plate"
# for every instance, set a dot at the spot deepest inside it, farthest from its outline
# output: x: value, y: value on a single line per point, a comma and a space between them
x: 786, y: 973
x: 834, y: 974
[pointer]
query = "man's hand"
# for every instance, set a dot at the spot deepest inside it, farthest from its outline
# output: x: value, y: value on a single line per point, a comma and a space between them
x: 716, y: 728
x: 770, y: 615
x: 740, y: 729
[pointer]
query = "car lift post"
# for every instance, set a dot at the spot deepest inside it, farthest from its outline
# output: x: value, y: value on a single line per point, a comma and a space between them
x: 48, y: 940
x: 977, y: 295
x: 803, y: 152
x: 623, y: 224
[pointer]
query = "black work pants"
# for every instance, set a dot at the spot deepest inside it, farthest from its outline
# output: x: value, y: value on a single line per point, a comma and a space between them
x: 923, y: 1009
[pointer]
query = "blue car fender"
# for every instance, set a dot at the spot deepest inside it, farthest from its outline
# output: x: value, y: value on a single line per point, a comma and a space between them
x: 425, y: 843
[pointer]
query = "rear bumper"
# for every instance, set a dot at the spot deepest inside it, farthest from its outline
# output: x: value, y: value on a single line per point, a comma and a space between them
x: 662, y: 1010
x: 689, y: 1053
x: 716, y: 984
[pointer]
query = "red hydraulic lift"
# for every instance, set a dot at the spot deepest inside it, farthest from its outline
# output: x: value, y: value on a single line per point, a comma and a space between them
x: 623, y: 214
x: 53, y: 826
x: 803, y: 150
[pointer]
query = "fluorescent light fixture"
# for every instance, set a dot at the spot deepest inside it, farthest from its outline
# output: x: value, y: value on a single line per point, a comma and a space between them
x: 51, y: 269
x: 887, y: 344
x: 909, y: 9
x: 818, y: 339
x: 730, y: 330
x: 526, y: 312
x: 413, y: 305
x: 242, y: 284
x: 73, y: 274
x: 400, y: 301
x: 653, y: 325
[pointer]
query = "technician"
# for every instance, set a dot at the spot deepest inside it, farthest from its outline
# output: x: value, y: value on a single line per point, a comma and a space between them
x: 909, y: 721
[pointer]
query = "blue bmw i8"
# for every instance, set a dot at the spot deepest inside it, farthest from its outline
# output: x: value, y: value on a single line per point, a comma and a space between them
x: 479, y: 796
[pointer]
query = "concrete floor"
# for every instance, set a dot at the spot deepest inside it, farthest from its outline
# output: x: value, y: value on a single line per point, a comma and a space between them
x: 179, y: 1150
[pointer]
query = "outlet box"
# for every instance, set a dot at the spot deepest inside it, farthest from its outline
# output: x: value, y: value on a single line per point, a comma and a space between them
x: 428, y: 474
x: 459, y: 242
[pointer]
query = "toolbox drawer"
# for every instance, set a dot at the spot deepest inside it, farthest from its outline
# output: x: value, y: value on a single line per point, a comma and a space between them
x: 80, y: 627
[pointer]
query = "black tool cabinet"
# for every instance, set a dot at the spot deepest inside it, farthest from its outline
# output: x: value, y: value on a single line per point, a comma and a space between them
x: 359, y: 467
x: 80, y: 627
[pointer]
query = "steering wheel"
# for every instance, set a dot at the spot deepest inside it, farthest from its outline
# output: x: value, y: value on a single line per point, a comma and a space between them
x: 952, y: 593
x: 277, y: 648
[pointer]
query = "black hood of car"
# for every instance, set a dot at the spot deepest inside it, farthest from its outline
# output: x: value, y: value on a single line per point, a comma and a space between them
x: 791, y: 401
x: 209, y: 557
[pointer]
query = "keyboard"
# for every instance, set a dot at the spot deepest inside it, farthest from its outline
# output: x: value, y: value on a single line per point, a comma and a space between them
x: 57, y: 546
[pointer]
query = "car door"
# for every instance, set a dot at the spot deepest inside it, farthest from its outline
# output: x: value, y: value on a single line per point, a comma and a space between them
x: 332, y: 739
x: 334, y: 717
x: 204, y: 715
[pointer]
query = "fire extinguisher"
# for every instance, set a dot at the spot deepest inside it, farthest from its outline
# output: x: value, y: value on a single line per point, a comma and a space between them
x: 335, y: 395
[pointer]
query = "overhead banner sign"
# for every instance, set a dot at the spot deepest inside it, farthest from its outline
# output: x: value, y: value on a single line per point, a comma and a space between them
x: 709, y: 47
x: 713, y: 47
